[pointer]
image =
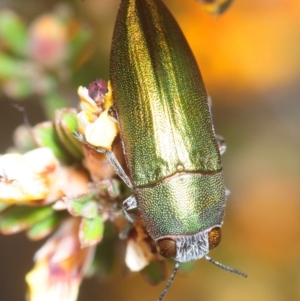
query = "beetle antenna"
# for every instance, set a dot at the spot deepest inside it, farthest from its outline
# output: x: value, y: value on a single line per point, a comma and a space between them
x: 163, y: 294
x: 23, y: 111
x: 225, y: 267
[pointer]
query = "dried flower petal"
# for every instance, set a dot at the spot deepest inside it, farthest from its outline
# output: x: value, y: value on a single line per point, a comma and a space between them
x: 102, y: 132
x: 97, y: 164
x: 59, y: 205
x: 95, y: 124
x: 28, y: 177
x: 60, y: 266
x: 70, y: 181
x: 135, y: 258
x: 87, y: 104
x: 140, y: 249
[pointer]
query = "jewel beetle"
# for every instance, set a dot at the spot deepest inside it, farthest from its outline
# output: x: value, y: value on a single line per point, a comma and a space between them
x: 168, y: 138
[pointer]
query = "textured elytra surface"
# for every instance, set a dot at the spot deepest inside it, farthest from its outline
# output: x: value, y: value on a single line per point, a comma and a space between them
x: 183, y: 204
x: 159, y: 95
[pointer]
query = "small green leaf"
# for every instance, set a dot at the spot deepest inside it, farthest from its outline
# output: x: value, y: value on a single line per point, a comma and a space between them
x: 81, y: 205
x: 91, y: 231
x: 66, y: 124
x: 19, y: 218
x: 46, y: 135
x: 154, y: 272
x: 113, y: 187
x: 44, y: 227
x: 9, y: 66
x: 90, y: 210
x: 13, y: 32
x: 103, y: 262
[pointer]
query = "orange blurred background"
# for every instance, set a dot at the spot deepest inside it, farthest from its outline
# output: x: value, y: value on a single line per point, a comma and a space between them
x: 250, y: 62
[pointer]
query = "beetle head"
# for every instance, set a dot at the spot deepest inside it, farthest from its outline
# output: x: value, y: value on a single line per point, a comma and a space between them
x: 189, y: 247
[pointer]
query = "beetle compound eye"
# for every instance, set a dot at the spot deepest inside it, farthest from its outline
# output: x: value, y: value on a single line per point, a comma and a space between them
x: 214, y: 237
x: 166, y: 247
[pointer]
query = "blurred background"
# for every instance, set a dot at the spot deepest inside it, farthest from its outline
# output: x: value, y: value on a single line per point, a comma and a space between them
x: 250, y: 63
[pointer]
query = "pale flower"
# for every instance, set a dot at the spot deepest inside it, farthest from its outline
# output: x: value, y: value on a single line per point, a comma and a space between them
x: 60, y: 265
x: 94, y: 121
x: 26, y: 178
x: 69, y: 181
x: 135, y: 258
x: 139, y: 251
x: 48, y: 39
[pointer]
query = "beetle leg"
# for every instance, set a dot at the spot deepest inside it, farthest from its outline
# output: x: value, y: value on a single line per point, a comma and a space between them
x: 110, y: 157
x: 125, y: 231
x: 117, y: 166
x: 128, y: 204
x: 221, y: 144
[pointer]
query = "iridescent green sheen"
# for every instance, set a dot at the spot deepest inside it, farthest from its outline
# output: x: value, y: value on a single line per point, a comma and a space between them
x: 165, y: 122
x: 182, y: 205
x: 159, y: 95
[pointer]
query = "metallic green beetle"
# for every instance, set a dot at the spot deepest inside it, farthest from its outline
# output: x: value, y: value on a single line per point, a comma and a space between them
x: 167, y: 132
